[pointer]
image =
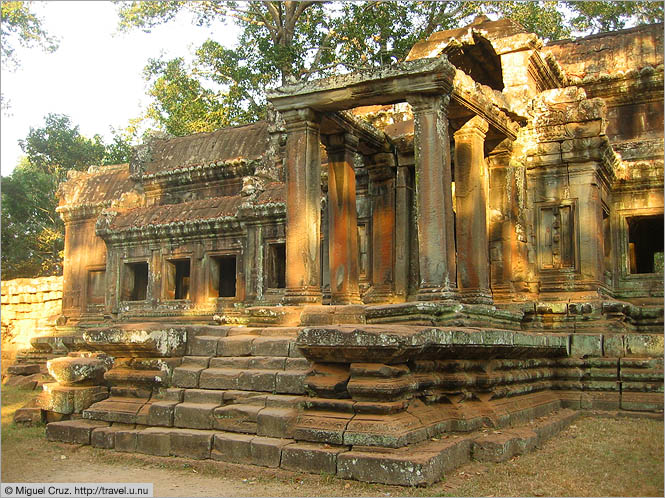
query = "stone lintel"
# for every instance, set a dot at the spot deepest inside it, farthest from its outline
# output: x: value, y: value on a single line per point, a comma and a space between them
x: 385, y: 85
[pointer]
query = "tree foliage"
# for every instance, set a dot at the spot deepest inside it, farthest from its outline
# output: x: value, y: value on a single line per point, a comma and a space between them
x: 286, y: 41
x: 32, y: 231
x: 20, y: 26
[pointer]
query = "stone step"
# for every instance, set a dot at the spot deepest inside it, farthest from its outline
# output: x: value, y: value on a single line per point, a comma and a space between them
x: 132, y: 377
x: 243, y: 345
x: 127, y: 410
x: 234, y: 411
x: 278, y: 381
x: 416, y: 464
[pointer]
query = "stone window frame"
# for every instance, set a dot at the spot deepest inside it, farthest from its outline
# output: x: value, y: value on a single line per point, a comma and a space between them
x: 167, y: 260
x: 276, y: 291
x: 623, y: 235
x: 573, y: 204
x: 93, y: 307
x: 208, y: 261
x: 123, y: 268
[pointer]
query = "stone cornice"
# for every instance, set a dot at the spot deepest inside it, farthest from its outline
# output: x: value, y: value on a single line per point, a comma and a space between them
x: 80, y: 212
x: 236, y: 168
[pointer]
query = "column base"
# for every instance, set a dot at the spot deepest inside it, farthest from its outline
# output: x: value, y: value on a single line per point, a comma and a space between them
x: 302, y: 295
x: 475, y: 296
x: 379, y: 294
x: 436, y: 294
x: 349, y: 298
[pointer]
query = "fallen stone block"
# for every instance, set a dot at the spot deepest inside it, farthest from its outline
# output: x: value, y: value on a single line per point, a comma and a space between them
x: 70, y: 399
x: 69, y: 371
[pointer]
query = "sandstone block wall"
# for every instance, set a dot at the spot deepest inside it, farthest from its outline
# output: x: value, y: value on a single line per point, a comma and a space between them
x: 30, y: 307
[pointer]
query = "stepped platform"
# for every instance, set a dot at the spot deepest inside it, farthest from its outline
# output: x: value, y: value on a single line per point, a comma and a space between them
x: 396, y: 404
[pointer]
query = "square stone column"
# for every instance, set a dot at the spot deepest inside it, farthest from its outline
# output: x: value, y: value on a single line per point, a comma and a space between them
x: 342, y: 219
x: 471, y: 189
x: 303, y: 207
x: 381, y: 168
x: 436, y: 243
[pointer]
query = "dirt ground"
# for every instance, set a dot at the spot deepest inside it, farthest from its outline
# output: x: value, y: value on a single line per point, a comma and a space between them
x: 594, y: 457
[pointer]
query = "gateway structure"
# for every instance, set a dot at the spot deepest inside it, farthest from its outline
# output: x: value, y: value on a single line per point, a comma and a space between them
x: 471, y: 237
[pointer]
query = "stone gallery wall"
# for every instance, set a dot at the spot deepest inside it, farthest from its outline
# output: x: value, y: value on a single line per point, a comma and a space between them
x: 30, y: 307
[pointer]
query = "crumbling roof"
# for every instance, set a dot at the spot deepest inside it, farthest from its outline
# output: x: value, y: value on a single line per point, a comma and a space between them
x: 215, y: 208
x: 248, y: 142
x: 610, y: 53
x: 274, y: 193
x: 99, y: 185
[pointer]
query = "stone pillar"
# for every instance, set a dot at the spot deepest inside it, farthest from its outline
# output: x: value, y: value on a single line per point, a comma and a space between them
x: 436, y: 243
x: 342, y: 219
x: 381, y: 168
x: 303, y: 207
x: 471, y: 187
x: 403, y: 199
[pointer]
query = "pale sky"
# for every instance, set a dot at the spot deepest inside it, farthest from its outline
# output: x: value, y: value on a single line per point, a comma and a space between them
x: 95, y: 76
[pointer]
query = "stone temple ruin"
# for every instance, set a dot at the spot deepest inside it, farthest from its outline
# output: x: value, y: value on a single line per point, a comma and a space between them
x: 393, y: 261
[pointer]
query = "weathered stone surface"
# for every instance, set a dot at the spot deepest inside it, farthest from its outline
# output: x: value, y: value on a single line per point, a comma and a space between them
x: 69, y: 371
x: 194, y: 415
x: 266, y: 451
x: 154, y: 441
x: 309, y: 457
x: 234, y: 448
x: 73, y: 431
x: 138, y: 339
x: 23, y: 369
x: 191, y: 443
x: 236, y: 418
x: 70, y: 399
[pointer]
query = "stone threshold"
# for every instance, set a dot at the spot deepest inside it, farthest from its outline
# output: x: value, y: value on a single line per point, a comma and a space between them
x: 420, y: 464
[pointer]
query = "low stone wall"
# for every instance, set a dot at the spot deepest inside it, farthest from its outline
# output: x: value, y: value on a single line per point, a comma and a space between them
x: 30, y: 307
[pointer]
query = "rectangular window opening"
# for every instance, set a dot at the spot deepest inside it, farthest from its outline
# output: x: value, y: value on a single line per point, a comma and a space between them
x: 276, y: 266
x: 177, y: 278
x: 135, y: 282
x: 223, y: 276
x: 645, y: 244
x: 96, y: 286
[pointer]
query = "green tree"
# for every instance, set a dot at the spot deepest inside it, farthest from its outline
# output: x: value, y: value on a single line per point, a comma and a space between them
x: 20, y: 26
x: 32, y: 231
x: 181, y: 104
x: 284, y: 41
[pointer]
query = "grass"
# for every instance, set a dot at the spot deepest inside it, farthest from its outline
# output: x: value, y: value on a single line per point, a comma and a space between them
x: 594, y: 457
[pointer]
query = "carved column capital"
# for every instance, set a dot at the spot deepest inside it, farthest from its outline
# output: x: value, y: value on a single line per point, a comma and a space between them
x: 298, y: 118
x: 474, y: 126
x: 424, y: 103
x: 340, y: 143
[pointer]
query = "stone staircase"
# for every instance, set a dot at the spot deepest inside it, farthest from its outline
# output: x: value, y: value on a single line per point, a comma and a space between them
x: 237, y: 380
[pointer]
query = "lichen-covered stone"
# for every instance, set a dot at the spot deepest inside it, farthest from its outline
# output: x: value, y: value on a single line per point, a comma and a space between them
x: 69, y: 371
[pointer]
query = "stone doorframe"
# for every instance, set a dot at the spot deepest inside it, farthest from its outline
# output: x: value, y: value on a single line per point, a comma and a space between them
x: 428, y: 86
